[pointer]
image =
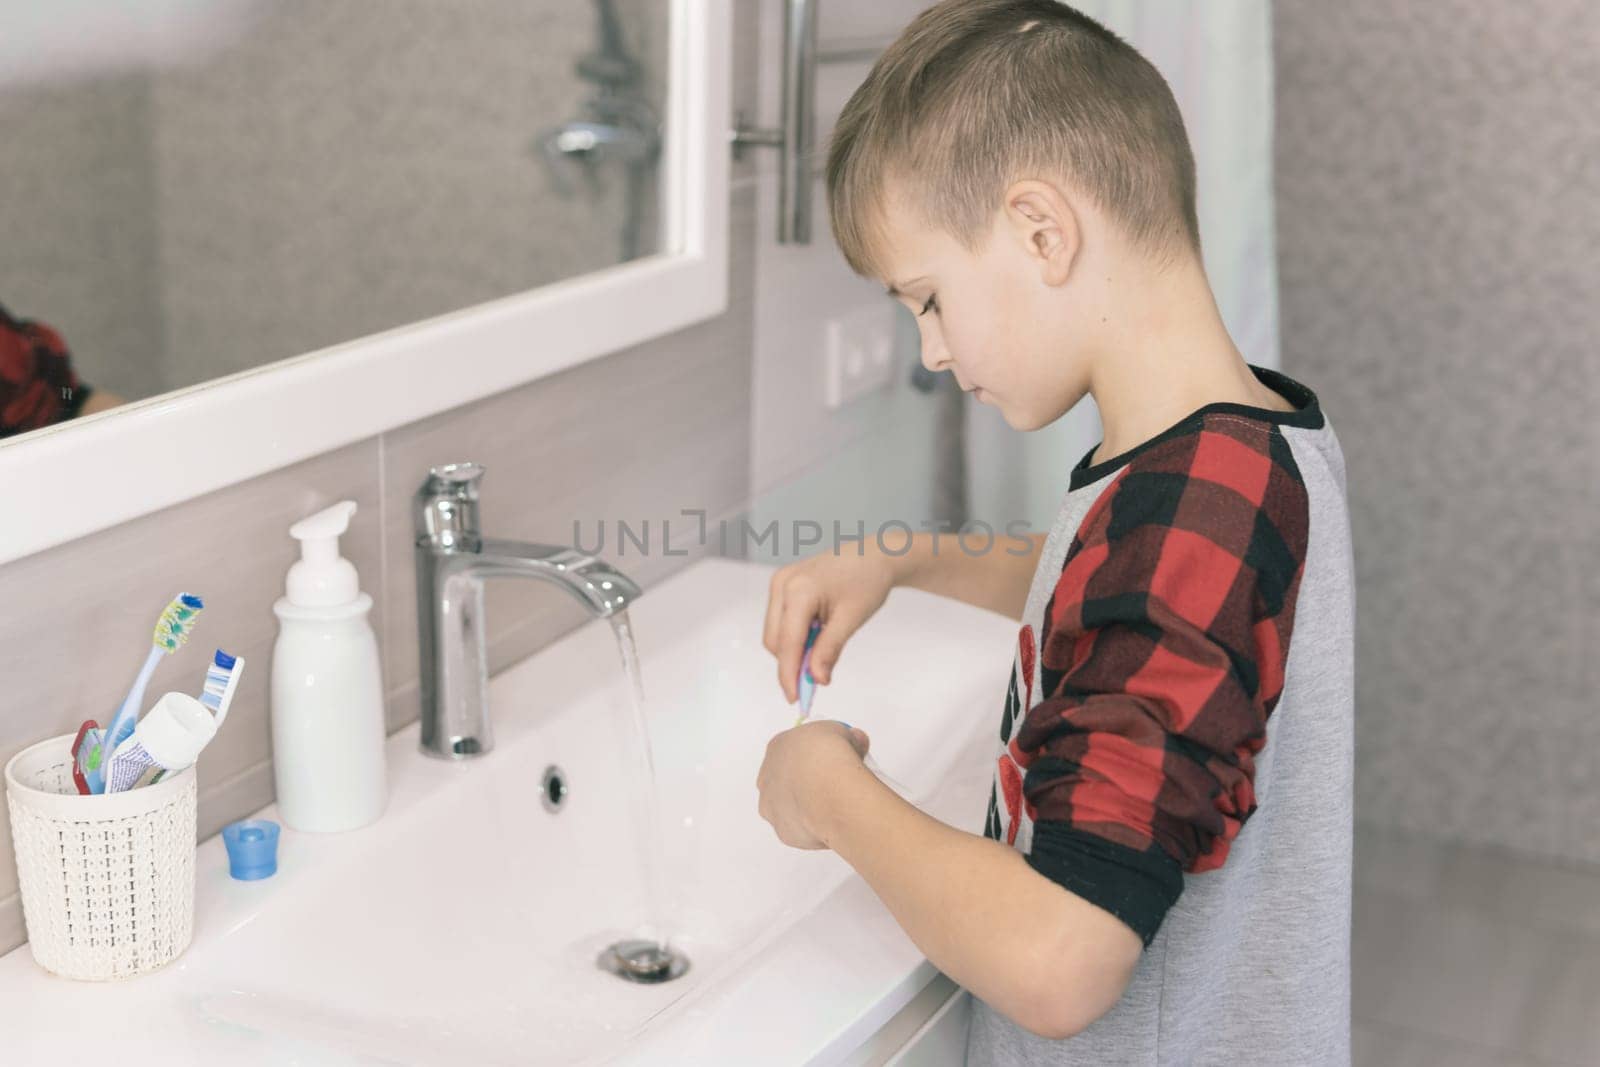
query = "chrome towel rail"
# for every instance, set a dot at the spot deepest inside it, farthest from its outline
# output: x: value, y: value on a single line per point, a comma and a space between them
x: 795, y: 138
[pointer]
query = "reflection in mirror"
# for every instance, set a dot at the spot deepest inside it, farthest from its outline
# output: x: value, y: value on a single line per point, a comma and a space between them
x: 194, y: 188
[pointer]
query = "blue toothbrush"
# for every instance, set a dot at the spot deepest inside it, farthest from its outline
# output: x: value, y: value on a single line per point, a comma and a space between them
x: 807, y: 684
x: 172, y: 630
x: 808, y: 689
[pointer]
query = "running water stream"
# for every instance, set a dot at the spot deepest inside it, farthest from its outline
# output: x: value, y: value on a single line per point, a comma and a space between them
x: 651, y: 958
x: 645, y: 801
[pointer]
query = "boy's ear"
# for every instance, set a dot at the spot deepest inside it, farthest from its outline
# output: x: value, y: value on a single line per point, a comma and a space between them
x: 1044, y: 221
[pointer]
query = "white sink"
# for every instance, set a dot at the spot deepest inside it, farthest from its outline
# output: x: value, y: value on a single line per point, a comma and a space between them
x: 465, y: 925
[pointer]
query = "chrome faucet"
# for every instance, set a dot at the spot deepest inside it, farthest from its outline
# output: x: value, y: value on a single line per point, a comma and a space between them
x: 453, y: 560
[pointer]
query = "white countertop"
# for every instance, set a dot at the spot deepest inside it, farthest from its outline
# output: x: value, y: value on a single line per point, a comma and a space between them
x: 275, y: 975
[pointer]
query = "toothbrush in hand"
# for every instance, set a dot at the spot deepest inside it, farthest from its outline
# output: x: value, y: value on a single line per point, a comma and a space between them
x: 807, y: 687
x: 172, y: 630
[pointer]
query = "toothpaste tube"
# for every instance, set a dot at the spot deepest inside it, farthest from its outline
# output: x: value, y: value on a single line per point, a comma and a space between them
x: 168, y: 739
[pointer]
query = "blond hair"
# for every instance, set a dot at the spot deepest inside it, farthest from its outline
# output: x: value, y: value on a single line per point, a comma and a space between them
x: 977, y: 94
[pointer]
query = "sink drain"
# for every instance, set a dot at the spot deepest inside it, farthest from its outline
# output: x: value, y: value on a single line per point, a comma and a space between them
x: 643, y: 961
x: 553, y: 788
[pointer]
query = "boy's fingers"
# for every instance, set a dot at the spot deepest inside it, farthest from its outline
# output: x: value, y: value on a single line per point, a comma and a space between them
x: 793, y: 625
x: 857, y: 737
x: 769, y: 629
x: 830, y: 643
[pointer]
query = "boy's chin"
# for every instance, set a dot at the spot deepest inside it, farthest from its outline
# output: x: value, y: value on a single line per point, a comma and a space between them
x: 1024, y: 421
x: 1036, y: 419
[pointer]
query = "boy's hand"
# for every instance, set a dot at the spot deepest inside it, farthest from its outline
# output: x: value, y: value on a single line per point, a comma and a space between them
x: 841, y: 590
x: 796, y: 771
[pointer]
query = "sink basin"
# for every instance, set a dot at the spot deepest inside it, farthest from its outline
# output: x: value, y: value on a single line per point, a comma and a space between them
x: 465, y: 925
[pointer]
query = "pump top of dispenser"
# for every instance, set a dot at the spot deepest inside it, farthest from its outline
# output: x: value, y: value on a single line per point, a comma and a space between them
x: 323, y: 578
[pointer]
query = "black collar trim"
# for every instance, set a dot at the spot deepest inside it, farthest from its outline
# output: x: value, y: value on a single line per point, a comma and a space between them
x: 1307, y: 414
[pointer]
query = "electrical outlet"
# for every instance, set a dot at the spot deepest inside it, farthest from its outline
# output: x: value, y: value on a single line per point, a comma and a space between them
x: 859, y: 357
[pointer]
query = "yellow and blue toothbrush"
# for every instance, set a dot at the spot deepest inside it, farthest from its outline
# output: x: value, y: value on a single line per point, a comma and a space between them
x: 172, y: 630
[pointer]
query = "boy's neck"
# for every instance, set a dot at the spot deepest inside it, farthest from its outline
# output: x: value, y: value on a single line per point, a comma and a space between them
x: 1172, y: 356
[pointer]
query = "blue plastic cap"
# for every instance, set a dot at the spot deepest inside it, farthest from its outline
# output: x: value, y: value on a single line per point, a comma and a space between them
x: 252, y: 848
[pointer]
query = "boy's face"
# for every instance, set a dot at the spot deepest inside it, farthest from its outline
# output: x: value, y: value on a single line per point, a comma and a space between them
x: 997, y: 318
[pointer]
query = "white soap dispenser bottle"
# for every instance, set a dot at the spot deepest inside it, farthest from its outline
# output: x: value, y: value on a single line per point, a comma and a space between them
x: 327, y: 688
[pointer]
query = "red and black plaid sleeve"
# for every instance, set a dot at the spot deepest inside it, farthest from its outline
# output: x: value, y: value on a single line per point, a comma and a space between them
x: 37, y: 384
x: 1161, y: 659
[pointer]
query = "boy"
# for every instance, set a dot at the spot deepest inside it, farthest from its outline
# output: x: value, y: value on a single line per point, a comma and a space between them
x: 38, y: 386
x: 1156, y: 882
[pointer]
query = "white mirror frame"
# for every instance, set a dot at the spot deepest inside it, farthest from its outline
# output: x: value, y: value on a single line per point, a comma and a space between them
x: 74, y: 478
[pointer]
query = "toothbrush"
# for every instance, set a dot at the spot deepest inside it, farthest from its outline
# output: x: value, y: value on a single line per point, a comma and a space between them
x: 808, y: 689
x: 172, y: 630
x: 807, y: 685
x: 222, y: 678
x: 86, y: 759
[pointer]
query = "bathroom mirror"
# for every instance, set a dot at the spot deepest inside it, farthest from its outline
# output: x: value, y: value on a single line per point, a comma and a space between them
x: 306, y: 221
x: 193, y: 188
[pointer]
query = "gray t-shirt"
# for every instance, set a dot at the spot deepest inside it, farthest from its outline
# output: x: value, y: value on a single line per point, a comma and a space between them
x: 1177, y: 743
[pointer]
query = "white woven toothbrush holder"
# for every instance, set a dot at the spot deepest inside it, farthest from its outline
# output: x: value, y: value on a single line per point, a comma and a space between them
x: 107, y: 881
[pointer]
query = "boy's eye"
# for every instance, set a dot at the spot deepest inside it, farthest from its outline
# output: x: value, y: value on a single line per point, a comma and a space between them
x: 933, y: 302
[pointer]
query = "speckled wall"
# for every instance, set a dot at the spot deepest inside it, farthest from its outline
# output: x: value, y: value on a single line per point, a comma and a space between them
x: 408, y: 134
x: 78, y: 227
x: 1439, y: 238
